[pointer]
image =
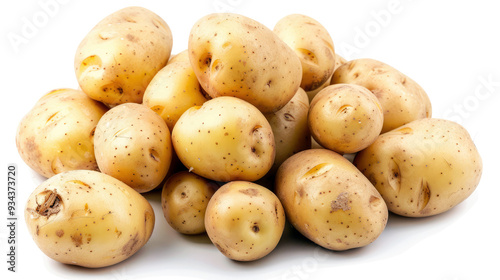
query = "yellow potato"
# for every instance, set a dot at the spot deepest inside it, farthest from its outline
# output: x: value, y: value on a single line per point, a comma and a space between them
x: 402, y: 99
x: 345, y: 118
x: 329, y: 201
x: 173, y: 90
x: 244, y: 220
x: 290, y: 129
x: 87, y: 218
x: 57, y: 134
x: 423, y: 168
x: 225, y: 139
x: 132, y: 144
x: 338, y: 62
x: 184, y: 199
x: 233, y: 55
x: 312, y: 43
x: 118, y: 58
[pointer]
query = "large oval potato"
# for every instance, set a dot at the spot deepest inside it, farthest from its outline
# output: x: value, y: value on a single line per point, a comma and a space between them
x: 87, y: 218
x: 57, y: 134
x: 290, y: 129
x: 329, y: 201
x: 225, y: 139
x: 173, y: 90
x: 345, y: 118
x: 312, y: 43
x: 233, y: 55
x: 402, y: 99
x: 184, y: 199
x: 244, y: 220
x: 118, y: 58
x: 132, y: 144
x: 423, y: 168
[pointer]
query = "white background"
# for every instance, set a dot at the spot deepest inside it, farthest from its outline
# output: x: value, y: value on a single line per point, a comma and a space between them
x: 450, y: 48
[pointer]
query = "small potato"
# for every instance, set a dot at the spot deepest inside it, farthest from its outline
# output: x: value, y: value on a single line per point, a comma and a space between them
x: 312, y: 43
x: 87, y: 218
x: 226, y: 139
x: 329, y: 201
x: 244, y: 220
x: 118, y: 58
x: 233, y: 55
x: 402, y: 99
x: 184, y: 199
x: 173, y: 90
x: 290, y: 129
x: 345, y: 118
x: 423, y: 168
x: 132, y: 144
x: 57, y: 134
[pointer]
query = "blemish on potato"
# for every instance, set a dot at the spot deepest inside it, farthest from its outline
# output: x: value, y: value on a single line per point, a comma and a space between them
x: 341, y: 203
x: 250, y: 192
x: 77, y: 239
x: 59, y: 232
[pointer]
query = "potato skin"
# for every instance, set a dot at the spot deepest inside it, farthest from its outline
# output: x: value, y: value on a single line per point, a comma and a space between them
x: 118, y: 58
x: 233, y: 55
x: 226, y: 139
x: 87, y: 218
x: 184, y: 199
x: 290, y: 129
x: 133, y: 144
x: 345, y: 118
x: 329, y: 201
x: 402, y: 99
x: 313, y: 45
x: 338, y: 62
x: 57, y: 134
x: 244, y: 220
x: 423, y: 168
x: 173, y: 90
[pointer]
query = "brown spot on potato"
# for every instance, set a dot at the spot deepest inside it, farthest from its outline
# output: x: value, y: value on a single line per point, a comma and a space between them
x: 250, y: 192
x: 59, y: 232
x: 77, y: 239
x: 131, y: 246
x: 341, y: 203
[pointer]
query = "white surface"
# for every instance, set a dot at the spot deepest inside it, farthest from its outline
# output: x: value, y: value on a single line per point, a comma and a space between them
x: 448, y: 47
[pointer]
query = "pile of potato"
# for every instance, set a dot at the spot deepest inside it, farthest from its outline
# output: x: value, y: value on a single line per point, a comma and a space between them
x: 242, y: 106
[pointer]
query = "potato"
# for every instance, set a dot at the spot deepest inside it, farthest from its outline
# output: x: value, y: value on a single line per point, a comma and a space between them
x: 290, y: 129
x: 233, y: 55
x: 338, y: 61
x: 184, y: 199
x: 132, y: 144
x: 329, y: 201
x: 87, y: 218
x: 312, y: 43
x: 118, y: 58
x: 226, y: 139
x: 423, y: 168
x: 182, y: 56
x: 345, y: 118
x: 244, y: 220
x: 57, y: 134
x: 173, y: 90
x: 402, y: 99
